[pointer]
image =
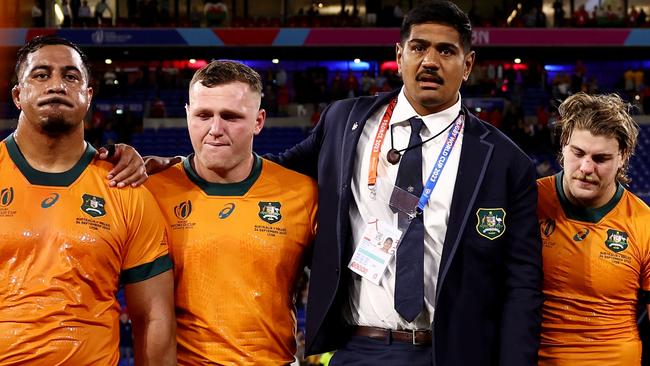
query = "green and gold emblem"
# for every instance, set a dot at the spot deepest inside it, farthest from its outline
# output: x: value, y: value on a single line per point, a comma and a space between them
x: 270, y: 212
x: 616, y: 240
x: 491, y: 222
x: 93, y: 205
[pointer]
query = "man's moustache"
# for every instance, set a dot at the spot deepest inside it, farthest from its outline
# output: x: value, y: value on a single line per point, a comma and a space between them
x: 587, y: 178
x: 430, y: 75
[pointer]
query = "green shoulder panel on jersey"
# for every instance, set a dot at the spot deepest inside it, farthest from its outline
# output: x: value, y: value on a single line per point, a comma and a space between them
x: 37, y: 177
x: 592, y: 215
x: 224, y: 189
x: 147, y: 270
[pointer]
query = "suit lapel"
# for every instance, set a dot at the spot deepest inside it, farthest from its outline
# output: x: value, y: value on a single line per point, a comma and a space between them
x: 474, y: 158
x: 354, y: 126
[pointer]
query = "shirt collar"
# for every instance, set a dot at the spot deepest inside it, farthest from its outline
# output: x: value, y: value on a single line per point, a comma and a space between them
x: 434, y: 121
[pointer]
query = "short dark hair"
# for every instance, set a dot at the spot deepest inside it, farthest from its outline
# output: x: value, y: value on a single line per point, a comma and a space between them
x: 439, y: 12
x: 49, y: 40
x: 221, y: 72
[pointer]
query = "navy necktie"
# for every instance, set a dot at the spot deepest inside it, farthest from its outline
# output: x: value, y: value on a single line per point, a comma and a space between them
x: 409, y: 277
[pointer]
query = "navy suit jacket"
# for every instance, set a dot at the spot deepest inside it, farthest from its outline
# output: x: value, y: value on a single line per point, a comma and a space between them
x: 488, y: 297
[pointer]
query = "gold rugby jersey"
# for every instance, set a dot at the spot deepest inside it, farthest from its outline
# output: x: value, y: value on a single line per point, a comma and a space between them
x: 595, y: 261
x: 238, y: 249
x: 66, y: 239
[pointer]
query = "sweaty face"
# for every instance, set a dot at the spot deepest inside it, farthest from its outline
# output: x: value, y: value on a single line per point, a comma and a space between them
x: 433, y: 66
x: 590, y: 167
x: 222, y: 121
x: 52, y: 90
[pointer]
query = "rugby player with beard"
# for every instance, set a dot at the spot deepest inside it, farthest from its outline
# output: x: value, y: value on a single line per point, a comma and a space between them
x: 67, y: 240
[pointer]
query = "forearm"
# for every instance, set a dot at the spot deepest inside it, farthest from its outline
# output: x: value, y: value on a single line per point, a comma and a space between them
x: 155, y: 342
x: 151, y: 308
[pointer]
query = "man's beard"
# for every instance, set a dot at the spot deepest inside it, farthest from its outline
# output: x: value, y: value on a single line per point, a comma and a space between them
x: 57, y: 125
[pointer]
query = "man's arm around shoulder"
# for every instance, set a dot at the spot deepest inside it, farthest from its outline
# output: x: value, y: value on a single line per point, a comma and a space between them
x: 303, y: 157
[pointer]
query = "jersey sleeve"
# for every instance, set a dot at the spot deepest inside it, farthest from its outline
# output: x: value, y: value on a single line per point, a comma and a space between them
x: 147, y: 249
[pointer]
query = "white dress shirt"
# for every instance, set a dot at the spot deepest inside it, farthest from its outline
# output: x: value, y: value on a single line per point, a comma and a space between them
x: 370, y: 304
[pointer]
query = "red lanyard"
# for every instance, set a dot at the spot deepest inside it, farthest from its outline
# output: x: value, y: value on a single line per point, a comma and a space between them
x: 376, y: 145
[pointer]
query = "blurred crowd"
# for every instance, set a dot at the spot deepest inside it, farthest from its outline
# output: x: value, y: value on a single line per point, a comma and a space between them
x: 369, y: 13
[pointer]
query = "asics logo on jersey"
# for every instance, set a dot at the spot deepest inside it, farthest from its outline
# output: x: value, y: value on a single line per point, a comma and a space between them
x: 226, y: 210
x: 183, y: 210
x: 50, y: 200
x: 581, y: 234
x: 6, y: 196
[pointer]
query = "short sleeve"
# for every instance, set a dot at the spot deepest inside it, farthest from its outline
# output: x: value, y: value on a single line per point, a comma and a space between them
x: 147, y: 248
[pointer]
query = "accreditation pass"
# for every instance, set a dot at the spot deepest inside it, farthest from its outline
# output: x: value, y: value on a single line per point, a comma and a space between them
x: 374, y: 252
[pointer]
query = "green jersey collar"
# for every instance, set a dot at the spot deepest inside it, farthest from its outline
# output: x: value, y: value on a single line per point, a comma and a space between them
x: 584, y: 214
x: 37, y: 177
x: 224, y: 189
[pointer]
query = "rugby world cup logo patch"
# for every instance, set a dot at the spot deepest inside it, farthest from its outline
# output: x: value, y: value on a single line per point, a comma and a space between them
x: 6, y: 196
x: 183, y: 210
x: 547, y: 227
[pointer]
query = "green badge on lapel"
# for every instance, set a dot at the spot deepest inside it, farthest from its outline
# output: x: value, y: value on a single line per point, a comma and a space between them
x: 616, y: 240
x: 491, y: 222
x: 270, y: 211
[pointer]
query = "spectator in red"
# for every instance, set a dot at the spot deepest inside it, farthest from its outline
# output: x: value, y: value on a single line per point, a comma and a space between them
x: 157, y: 109
x: 645, y: 95
x: 632, y: 17
x: 542, y: 116
x: 283, y: 100
x: 352, y: 85
x: 315, y: 115
x: 496, y: 118
x: 580, y: 17
x: 483, y: 114
x: 338, y: 89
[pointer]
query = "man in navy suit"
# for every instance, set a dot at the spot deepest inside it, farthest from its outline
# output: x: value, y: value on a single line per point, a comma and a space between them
x: 481, y: 264
x: 462, y: 287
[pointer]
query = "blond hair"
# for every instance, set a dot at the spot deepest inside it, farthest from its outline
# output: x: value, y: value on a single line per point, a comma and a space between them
x: 602, y: 115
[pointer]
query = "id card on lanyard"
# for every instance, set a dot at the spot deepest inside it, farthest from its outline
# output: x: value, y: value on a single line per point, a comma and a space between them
x: 380, y: 240
x: 377, y: 247
x: 403, y: 202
